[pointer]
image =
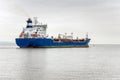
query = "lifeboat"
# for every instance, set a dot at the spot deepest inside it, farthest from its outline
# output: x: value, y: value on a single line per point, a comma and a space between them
x: 34, y: 35
x: 21, y: 34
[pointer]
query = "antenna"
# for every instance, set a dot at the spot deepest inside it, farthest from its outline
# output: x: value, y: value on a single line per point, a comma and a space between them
x: 35, y: 20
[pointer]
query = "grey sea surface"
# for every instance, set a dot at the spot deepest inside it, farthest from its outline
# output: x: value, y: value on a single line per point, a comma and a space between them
x: 98, y: 62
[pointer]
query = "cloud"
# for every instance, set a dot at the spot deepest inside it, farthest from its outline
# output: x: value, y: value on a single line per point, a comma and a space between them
x: 98, y: 17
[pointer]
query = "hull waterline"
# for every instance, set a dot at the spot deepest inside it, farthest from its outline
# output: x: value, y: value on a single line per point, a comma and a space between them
x: 49, y: 43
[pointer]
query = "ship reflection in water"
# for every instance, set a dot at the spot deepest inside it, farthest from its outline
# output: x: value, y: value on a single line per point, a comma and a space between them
x: 100, y: 62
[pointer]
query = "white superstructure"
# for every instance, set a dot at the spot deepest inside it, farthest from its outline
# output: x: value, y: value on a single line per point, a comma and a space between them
x: 34, y: 30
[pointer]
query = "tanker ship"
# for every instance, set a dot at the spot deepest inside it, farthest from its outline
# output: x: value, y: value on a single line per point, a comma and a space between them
x: 34, y: 35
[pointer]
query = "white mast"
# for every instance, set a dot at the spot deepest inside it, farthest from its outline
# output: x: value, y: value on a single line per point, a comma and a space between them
x: 35, y: 20
x: 87, y: 35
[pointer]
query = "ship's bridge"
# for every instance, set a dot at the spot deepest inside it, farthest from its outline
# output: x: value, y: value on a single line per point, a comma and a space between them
x: 34, y: 29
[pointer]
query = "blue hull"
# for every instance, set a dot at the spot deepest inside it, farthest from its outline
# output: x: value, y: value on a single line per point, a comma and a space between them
x: 47, y: 42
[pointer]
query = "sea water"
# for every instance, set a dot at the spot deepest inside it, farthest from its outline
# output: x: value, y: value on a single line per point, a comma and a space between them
x: 98, y: 62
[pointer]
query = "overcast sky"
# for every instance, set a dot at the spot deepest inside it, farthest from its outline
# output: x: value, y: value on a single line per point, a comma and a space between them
x: 100, y: 18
